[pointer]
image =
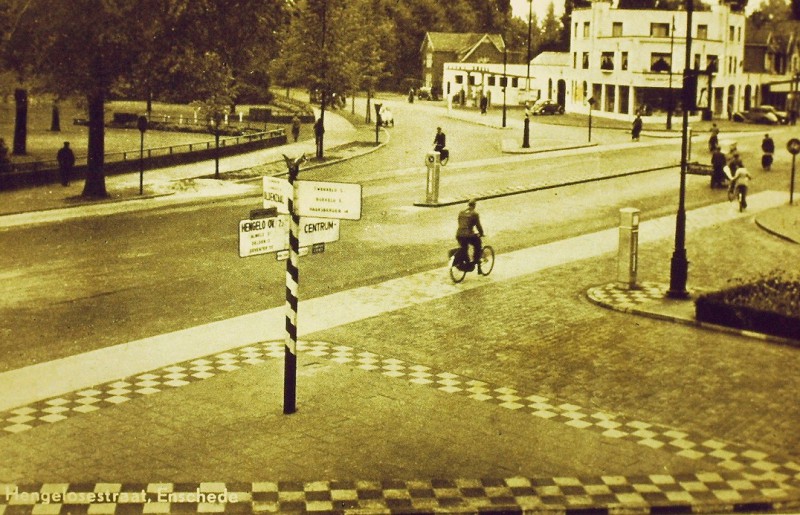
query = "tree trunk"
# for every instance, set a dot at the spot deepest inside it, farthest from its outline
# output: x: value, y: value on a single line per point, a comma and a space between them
x: 21, y: 122
x: 55, y: 119
x: 95, y: 186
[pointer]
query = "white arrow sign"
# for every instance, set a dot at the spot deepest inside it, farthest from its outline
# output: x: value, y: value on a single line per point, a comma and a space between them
x: 328, y: 199
x: 277, y: 193
x: 267, y: 235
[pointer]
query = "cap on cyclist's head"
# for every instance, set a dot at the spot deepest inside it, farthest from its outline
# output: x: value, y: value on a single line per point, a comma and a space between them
x: 472, y: 202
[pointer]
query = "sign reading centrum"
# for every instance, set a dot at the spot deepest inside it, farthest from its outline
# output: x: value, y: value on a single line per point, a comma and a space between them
x: 267, y: 235
x: 328, y: 199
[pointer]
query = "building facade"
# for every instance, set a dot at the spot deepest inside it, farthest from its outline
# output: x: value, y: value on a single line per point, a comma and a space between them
x: 439, y: 48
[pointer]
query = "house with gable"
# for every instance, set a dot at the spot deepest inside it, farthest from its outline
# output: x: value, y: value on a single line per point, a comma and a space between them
x: 772, y: 64
x: 439, y: 48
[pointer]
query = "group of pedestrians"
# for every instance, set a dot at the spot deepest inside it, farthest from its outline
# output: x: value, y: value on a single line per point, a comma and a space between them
x: 728, y: 171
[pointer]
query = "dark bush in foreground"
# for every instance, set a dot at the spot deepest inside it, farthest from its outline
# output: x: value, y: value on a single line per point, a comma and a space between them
x: 769, y: 305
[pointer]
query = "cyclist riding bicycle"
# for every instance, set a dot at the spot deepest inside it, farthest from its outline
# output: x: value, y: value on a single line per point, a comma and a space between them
x: 439, y: 142
x: 468, y: 223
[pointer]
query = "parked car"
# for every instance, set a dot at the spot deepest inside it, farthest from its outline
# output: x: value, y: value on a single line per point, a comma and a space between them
x: 424, y: 93
x: 756, y: 115
x: 547, y: 107
x: 783, y: 116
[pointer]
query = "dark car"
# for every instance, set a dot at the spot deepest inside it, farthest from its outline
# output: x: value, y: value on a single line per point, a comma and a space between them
x: 757, y: 115
x: 782, y: 116
x: 547, y: 107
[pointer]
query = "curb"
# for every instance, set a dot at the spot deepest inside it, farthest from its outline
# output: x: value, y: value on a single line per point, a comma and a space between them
x: 693, y: 322
x: 460, y: 200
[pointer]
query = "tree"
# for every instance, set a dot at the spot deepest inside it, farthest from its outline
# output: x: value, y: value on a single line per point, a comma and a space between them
x: 551, y: 31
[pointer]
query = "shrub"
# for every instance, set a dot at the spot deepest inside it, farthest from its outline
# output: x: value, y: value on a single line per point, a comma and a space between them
x: 769, y: 304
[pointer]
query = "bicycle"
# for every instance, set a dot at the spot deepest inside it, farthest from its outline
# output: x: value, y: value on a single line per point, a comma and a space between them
x: 444, y: 155
x: 460, y: 263
x: 735, y: 192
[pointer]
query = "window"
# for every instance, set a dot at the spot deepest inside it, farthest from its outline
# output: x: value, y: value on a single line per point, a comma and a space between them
x: 660, y: 62
x: 575, y: 30
x: 659, y: 30
x: 738, y: 34
x: 575, y: 60
x: 491, y: 80
x: 702, y: 32
x: 711, y: 63
x: 514, y: 82
x: 459, y: 79
x: 585, y: 61
x: 616, y: 29
x: 607, y: 61
x: 429, y: 60
x: 503, y: 82
x: 586, y: 29
x: 731, y: 33
x: 696, y: 64
x: 473, y: 80
x: 624, y: 63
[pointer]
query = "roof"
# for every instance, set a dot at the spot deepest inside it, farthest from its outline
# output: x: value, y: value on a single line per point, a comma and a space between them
x: 462, y: 43
x: 552, y: 59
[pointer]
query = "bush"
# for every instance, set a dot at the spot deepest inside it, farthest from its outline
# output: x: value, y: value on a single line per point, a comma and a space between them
x: 769, y: 304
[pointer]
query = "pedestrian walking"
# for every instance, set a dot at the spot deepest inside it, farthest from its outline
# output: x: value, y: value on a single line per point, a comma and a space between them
x: 484, y: 104
x: 319, y: 131
x: 768, y: 147
x: 66, y: 160
x: 718, y: 163
x: 411, y: 95
x: 713, y: 140
x: 636, y: 129
x: 295, y: 126
x: 734, y: 159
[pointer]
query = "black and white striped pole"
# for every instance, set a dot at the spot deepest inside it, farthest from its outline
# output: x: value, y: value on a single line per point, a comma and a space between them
x: 292, y: 281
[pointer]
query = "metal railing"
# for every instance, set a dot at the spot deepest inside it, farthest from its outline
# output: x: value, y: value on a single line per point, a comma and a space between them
x: 130, y: 155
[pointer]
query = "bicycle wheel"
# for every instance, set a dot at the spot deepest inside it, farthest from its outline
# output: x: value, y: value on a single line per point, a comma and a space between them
x: 487, y: 261
x: 443, y: 161
x: 456, y: 274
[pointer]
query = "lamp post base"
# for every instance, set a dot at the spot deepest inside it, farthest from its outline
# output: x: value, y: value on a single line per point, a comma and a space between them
x: 679, y: 271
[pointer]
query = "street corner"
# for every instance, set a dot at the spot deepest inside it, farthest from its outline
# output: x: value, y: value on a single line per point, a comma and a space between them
x: 622, y: 297
x: 782, y: 221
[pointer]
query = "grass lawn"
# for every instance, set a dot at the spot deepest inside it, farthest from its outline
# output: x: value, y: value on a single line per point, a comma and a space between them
x: 42, y: 143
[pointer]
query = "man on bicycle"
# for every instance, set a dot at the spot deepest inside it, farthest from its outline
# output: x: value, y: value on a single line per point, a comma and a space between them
x: 468, y: 222
x: 439, y: 142
x: 739, y: 184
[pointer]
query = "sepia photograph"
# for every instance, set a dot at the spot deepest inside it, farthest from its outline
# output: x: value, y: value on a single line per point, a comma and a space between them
x: 399, y: 256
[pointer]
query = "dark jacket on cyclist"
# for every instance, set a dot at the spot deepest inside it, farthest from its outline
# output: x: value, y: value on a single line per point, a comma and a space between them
x: 468, y: 223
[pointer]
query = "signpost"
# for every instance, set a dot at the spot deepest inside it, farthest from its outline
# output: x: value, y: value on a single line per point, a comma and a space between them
x: 793, y: 146
x: 297, y: 217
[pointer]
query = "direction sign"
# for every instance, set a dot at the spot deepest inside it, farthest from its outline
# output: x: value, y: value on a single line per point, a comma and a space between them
x: 328, y: 199
x: 267, y: 235
x: 277, y: 193
x: 263, y: 236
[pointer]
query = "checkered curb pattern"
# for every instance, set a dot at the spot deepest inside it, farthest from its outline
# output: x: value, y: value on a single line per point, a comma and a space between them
x: 715, y: 492
x: 624, y: 299
x: 729, y: 456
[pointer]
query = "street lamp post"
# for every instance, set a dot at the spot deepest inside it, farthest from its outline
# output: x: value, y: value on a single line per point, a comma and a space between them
x: 504, y: 81
x: 671, y: 100
x: 591, y: 106
x: 526, y: 130
x: 377, y: 121
x: 216, y: 120
x: 141, y: 124
x: 679, y: 266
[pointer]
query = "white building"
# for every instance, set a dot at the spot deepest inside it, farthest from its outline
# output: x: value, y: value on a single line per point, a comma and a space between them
x: 626, y: 60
